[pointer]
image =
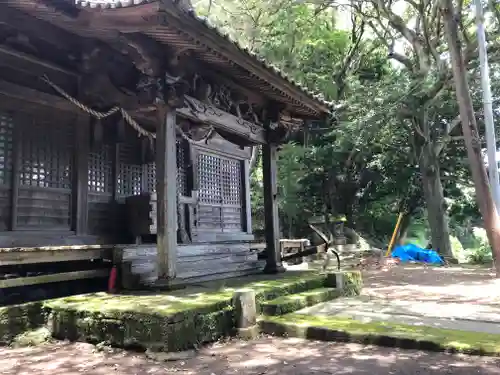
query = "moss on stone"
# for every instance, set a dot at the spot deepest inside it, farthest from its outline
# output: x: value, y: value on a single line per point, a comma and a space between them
x: 142, y: 330
x: 293, y: 302
x: 175, y: 321
x: 279, y: 288
x: 172, y: 321
x: 382, y: 333
x: 16, y: 319
x: 353, y: 283
x: 32, y: 337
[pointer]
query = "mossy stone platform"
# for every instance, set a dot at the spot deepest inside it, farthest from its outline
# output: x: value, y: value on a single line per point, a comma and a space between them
x: 293, y: 302
x: 381, y: 333
x: 170, y: 321
x: 15, y: 320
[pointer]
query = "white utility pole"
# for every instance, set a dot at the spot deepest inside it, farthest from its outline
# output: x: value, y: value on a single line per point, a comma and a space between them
x: 491, y: 144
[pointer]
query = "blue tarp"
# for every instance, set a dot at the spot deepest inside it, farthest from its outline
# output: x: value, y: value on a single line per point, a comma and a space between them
x: 411, y: 252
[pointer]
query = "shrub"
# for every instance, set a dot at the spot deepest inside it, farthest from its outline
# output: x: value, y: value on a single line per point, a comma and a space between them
x: 458, y: 250
x: 481, y: 253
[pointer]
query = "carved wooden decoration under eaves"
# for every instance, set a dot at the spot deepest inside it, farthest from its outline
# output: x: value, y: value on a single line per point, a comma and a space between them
x: 211, y: 98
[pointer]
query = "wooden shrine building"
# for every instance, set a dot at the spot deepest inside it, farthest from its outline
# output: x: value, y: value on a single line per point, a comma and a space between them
x: 132, y: 123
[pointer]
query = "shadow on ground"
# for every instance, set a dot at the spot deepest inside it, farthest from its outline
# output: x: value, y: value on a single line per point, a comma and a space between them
x: 265, y: 356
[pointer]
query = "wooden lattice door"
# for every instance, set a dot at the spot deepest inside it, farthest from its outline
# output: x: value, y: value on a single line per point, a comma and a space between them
x: 45, y: 167
x: 220, y: 193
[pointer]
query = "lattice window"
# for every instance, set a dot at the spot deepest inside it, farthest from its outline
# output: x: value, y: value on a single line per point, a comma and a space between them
x: 100, y: 171
x: 209, y: 178
x: 130, y: 171
x: 46, y: 155
x: 220, y: 189
x: 129, y: 181
x: 150, y: 171
x: 231, y: 182
x: 6, y: 139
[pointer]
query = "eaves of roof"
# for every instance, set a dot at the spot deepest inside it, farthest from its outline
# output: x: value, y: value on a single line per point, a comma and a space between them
x: 255, y: 64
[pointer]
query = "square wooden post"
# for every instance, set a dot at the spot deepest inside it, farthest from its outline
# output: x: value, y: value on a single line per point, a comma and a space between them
x: 80, y: 176
x: 166, y: 193
x: 269, y: 166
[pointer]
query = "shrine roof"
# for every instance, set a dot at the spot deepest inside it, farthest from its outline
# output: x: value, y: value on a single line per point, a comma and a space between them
x: 168, y: 23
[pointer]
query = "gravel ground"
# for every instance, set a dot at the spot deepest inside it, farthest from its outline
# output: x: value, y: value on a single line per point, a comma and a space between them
x: 265, y: 356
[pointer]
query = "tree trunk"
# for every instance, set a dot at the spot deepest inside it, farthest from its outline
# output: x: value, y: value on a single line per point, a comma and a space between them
x: 434, y: 201
x: 409, y: 205
x: 470, y: 132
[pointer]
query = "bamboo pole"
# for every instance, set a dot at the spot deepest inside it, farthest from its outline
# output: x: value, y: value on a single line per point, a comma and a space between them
x: 394, y: 234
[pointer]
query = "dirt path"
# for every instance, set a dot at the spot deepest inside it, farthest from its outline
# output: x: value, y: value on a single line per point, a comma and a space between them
x: 265, y: 356
x: 443, y: 284
x: 273, y: 356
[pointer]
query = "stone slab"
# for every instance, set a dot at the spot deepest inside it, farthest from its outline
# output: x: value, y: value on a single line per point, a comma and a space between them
x: 466, y: 317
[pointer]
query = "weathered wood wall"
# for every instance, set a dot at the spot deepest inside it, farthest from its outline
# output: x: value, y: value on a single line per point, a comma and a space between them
x: 45, y: 173
x: 43, y: 196
x: 37, y: 156
x: 36, y: 160
x: 196, y: 262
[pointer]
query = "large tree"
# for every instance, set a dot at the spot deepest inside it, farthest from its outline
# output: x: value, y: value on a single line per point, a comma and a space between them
x: 397, y: 129
x: 456, y: 35
x: 413, y: 34
x: 307, y: 45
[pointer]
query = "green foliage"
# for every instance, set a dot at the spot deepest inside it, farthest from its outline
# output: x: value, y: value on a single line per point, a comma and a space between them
x: 473, y: 249
x: 291, y: 174
x: 418, y: 232
x: 458, y: 250
x: 257, y: 199
x: 365, y: 163
x: 480, y: 255
x: 481, y: 252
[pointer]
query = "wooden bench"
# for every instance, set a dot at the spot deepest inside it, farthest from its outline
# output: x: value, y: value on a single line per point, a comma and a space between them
x: 319, y: 227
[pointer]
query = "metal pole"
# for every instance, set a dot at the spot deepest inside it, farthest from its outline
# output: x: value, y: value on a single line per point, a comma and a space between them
x: 488, y: 107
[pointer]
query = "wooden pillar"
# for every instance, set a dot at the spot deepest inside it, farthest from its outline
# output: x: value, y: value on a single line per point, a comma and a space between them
x: 269, y: 169
x: 166, y: 193
x: 81, y: 176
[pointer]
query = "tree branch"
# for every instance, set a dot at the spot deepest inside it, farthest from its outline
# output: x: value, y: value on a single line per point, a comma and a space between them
x: 400, y: 25
x: 454, y: 123
x: 392, y: 54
